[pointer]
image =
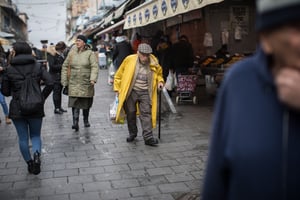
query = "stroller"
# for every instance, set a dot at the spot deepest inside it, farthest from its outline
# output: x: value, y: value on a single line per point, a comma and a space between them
x: 186, y: 86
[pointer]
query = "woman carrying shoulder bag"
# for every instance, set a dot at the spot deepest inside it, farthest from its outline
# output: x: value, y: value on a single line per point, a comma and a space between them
x: 83, y: 74
x: 29, y: 126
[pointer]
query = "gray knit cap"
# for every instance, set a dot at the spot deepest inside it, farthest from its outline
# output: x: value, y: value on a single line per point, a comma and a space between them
x: 274, y: 13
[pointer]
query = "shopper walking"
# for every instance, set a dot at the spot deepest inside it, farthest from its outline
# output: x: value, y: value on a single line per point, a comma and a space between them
x: 55, y: 71
x: 83, y: 74
x: 136, y: 82
x: 3, y: 65
x: 121, y: 49
x: 255, y: 144
x: 28, y: 127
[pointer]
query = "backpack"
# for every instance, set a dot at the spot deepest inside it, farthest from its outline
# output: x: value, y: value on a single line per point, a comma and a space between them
x: 31, y: 99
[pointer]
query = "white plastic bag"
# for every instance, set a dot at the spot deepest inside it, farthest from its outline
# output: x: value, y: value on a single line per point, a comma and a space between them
x: 170, y: 82
x: 113, y: 108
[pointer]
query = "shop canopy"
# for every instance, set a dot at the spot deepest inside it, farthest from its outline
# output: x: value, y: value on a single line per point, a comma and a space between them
x: 156, y: 10
x: 112, y: 28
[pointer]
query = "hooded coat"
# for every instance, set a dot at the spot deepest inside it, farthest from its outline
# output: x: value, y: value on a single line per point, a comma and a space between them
x: 84, y: 69
x: 123, y: 81
x: 255, y: 143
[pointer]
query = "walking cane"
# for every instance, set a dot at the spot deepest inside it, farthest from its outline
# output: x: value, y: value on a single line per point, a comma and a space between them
x: 159, y: 114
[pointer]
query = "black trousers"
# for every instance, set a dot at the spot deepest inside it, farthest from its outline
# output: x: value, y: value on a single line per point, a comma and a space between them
x: 57, y: 92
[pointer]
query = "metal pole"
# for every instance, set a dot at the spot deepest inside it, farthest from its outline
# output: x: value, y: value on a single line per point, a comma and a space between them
x: 159, y: 114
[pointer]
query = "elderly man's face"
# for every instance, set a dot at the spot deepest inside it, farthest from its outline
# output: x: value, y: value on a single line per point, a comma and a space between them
x: 284, y: 45
x: 144, y: 58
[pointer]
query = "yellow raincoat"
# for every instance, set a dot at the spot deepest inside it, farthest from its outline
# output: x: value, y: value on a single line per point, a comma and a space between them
x: 124, y: 77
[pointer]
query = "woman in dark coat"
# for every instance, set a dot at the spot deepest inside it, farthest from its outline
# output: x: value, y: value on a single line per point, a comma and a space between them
x: 29, y: 126
x: 55, y: 71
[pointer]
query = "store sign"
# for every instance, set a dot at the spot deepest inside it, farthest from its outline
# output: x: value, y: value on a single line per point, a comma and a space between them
x: 155, y: 10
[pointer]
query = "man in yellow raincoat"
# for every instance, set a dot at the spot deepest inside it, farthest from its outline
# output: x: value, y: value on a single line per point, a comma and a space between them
x: 136, y: 83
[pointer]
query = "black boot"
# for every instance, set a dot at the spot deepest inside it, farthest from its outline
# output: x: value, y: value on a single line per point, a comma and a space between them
x: 86, y: 117
x: 36, y: 163
x: 75, y: 112
x: 30, y: 166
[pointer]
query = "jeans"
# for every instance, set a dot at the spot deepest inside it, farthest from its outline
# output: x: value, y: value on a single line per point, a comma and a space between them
x: 29, y: 128
x: 3, y: 104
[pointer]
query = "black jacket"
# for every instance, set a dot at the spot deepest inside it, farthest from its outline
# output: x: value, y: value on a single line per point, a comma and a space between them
x: 13, y: 80
x: 182, y: 56
x: 121, y: 51
x: 55, y: 67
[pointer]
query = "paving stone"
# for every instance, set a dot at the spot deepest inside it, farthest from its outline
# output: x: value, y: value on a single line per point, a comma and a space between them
x: 80, y: 179
x: 55, y: 197
x: 179, y: 177
x: 7, y: 171
x: 173, y: 187
x: 115, y: 194
x: 165, y: 163
x: 104, y: 162
x: 144, y: 191
x: 37, y: 192
x: 107, y: 176
x: 66, y: 172
x: 85, y: 195
x: 77, y: 165
x: 162, y: 197
x: 97, y: 186
x: 133, y: 174
x: 26, y: 184
x: 152, y: 180
x: 68, y: 188
x: 115, y: 168
x: 6, y: 186
x: 185, y: 168
x: 125, y: 183
x: 91, y: 170
x: 126, y: 160
x: 160, y: 171
x: 141, y: 165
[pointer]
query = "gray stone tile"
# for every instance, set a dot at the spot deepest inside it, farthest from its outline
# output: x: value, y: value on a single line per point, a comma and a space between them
x: 133, y: 174
x: 97, y: 186
x: 125, y: 183
x: 68, y: 188
x: 116, y: 168
x: 91, y: 170
x: 165, y: 163
x: 160, y: 171
x: 85, y: 195
x: 77, y: 165
x: 66, y: 172
x: 172, y: 178
x: 107, y: 176
x: 144, y: 191
x: 173, y: 187
x: 152, y: 180
x: 115, y: 194
x: 80, y: 179
x: 141, y: 165
x: 55, y: 197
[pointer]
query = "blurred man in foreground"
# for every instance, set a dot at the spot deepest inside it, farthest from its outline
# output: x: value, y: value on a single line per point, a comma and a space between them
x: 255, y: 144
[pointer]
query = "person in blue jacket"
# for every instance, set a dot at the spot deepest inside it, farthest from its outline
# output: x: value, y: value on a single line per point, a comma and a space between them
x: 255, y: 143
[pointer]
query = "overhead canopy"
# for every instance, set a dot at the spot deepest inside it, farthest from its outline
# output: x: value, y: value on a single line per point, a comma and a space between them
x: 112, y: 28
x: 157, y: 10
x: 6, y: 35
x: 116, y: 14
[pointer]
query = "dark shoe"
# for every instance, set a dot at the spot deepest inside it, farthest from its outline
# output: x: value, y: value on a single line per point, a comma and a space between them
x: 30, y: 166
x: 36, y: 163
x: 130, y: 138
x: 86, y: 124
x: 75, y: 126
x: 62, y: 110
x: 58, y: 111
x: 151, y: 142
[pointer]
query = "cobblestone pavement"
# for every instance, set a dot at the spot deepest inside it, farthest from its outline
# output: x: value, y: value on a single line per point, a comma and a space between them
x: 97, y: 163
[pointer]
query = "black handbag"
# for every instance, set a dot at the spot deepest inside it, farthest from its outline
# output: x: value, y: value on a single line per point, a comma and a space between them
x: 65, y: 90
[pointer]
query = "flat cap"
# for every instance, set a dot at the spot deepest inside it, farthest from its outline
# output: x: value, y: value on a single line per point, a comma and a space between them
x: 144, y: 48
